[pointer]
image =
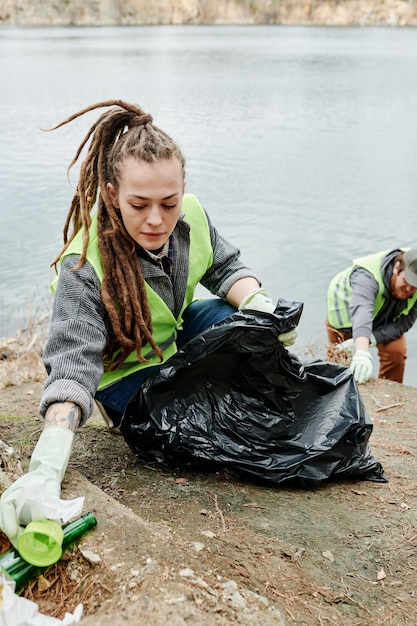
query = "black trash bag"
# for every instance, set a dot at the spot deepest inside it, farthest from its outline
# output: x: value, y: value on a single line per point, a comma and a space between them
x: 235, y: 397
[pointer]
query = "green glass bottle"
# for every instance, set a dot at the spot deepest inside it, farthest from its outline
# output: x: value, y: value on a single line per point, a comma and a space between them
x: 22, y: 572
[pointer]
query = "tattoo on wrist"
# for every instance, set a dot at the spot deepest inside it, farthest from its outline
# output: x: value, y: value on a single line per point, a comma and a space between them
x: 65, y: 414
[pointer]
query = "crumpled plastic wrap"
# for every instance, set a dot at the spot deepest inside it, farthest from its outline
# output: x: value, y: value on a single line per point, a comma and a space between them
x: 235, y: 397
x: 18, y: 611
x: 34, y: 503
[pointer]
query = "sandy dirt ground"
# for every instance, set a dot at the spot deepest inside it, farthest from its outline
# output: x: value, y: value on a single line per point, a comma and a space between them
x: 189, y: 548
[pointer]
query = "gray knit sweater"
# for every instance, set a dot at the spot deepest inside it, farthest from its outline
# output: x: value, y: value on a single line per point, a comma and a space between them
x: 80, y: 328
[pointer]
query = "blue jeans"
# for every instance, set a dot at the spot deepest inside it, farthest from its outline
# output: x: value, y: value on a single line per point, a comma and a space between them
x: 198, y: 316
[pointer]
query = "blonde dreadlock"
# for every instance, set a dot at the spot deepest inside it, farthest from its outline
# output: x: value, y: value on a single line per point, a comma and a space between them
x: 123, y: 131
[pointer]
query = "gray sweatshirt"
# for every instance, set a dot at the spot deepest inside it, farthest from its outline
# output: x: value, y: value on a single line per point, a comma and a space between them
x: 80, y: 328
x: 361, y: 309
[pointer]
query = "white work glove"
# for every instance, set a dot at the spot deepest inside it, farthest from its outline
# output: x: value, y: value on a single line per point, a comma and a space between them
x: 361, y: 366
x: 260, y: 300
x: 288, y: 339
x: 257, y: 300
x: 348, y: 346
x: 48, y: 464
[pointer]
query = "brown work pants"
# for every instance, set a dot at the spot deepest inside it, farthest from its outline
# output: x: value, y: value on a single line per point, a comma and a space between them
x: 392, y: 355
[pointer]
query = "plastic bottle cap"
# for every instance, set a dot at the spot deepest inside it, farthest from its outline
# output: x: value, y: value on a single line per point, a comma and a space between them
x: 41, y: 543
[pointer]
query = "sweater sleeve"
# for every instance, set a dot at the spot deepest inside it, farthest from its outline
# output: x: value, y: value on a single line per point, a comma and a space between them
x: 73, y: 355
x: 227, y: 268
x: 362, y: 304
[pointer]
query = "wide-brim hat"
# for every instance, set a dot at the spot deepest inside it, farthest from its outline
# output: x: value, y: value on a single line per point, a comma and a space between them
x: 410, y: 270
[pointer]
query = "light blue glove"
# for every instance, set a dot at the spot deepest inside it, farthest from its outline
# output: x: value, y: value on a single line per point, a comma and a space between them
x: 348, y: 346
x: 361, y: 366
x: 260, y: 300
x: 48, y: 463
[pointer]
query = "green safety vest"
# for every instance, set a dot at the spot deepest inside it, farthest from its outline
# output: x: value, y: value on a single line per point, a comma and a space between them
x: 340, y: 292
x: 165, y: 325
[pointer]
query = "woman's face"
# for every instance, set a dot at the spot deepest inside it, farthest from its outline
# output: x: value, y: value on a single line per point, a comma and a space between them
x: 150, y: 199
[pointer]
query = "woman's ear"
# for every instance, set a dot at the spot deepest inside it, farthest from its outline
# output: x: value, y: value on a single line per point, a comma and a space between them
x: 113, y: 195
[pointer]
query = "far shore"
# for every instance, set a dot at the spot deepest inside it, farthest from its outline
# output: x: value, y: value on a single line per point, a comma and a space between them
x: 210, y: 13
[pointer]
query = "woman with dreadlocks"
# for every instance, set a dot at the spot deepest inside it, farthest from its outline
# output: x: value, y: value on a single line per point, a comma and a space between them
x: 124, y: 298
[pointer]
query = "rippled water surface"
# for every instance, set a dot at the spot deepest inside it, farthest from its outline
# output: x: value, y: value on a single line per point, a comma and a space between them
x: 301, y: 142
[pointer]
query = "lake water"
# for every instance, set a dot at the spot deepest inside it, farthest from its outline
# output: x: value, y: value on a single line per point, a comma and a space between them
x: 301, y: 142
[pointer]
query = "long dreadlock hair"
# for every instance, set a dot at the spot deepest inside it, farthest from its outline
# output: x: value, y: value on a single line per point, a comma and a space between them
x: 124, y: 131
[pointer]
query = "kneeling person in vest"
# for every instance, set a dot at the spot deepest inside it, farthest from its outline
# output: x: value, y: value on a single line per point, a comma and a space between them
x: 374, y: 303
x: 125, y: 297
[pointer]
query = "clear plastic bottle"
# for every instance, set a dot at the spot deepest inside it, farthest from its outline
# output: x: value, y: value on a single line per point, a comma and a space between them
x: 22, y: 572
